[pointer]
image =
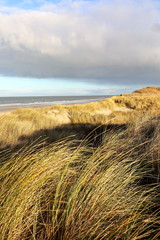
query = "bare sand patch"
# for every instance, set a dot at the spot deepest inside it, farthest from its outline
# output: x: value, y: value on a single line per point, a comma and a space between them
x: 5, y: 111
x: 60, y: 116
x: 105, y: 111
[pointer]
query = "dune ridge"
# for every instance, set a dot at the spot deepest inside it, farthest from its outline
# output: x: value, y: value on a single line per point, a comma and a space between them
x: 148, y: 90
x: 115, y: 110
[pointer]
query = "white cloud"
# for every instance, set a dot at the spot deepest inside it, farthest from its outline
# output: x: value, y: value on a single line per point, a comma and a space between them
x: 112, y: 41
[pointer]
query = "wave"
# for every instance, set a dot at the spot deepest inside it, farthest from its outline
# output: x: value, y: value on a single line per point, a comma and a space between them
x: 46, y: 103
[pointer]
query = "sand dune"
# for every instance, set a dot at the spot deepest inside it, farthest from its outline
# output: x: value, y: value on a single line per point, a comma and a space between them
x: 83, y: 171
x: 115, y: 110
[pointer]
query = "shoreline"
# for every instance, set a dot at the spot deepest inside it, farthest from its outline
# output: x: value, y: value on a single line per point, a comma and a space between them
x: 11, y: 106
x: 4, y: 111
x: 9, y: 109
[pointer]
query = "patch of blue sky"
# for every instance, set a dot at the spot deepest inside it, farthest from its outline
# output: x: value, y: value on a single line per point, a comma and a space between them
x: 35, y: 4
x: 25, y: 4
x: 13, y: 86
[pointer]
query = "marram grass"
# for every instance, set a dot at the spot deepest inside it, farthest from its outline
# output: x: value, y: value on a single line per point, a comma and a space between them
x: 70, y: 191
x: 22, y: 123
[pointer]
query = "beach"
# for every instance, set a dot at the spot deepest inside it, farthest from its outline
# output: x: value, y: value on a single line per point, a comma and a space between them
x: 9, y: 104
x: 5, y: 111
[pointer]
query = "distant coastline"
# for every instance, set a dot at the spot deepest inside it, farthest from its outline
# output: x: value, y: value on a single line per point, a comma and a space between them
x: 8, y: 104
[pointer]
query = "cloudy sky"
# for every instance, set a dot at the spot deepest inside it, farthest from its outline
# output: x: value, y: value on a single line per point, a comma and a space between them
x: 78, y: 47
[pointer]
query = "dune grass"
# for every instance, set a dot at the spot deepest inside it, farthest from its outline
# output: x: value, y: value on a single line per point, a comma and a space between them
x: 67, y: 192
x: 22, y: 123
x: 85, y: 171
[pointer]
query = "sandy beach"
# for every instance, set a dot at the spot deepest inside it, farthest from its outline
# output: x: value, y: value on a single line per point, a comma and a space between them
x: 6, y: 110
x: 10, y: 104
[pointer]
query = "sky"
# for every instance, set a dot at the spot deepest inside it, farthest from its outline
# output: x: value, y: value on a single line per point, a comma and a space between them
x: 78, y: 47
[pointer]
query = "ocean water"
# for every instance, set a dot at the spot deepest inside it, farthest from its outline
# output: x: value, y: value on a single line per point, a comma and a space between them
x: 16, y: 102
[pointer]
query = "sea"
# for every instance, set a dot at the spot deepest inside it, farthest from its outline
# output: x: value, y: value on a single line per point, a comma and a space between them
x: 16, y: 102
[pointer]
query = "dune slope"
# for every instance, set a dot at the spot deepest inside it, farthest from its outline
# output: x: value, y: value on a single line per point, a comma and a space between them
x: 88, y: 171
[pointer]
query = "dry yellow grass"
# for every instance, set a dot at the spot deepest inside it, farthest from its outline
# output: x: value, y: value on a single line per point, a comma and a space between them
x: 148, y: 90
x: 69, y: 193
x: 115, y: 110
x: 24, y: 122
x: 105, y: 186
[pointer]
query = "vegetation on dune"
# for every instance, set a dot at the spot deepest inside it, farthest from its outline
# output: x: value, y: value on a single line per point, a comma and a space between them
x: 116, y: 110
x: 148, y: 90
x: 85, y: 171
x: 67, y: 192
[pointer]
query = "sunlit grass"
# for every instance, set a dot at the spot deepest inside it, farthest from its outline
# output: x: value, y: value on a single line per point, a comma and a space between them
x: 100, y: 183
x: 66, y: 192
x: 115, y: 110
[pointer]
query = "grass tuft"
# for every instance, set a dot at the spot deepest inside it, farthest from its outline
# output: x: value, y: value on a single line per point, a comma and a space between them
x: 86, y: 171
x: 66, y: 192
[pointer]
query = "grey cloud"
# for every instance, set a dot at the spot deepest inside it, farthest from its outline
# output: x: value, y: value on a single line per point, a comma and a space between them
x: 156, y: 27
x: 94, y: 42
